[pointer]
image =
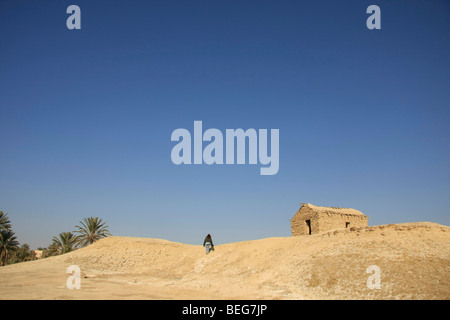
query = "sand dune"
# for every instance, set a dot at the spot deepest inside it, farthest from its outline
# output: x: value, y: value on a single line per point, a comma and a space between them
x: 413, y: 259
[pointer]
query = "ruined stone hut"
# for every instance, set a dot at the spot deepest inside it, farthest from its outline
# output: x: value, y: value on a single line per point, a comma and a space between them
x: 311, y: 219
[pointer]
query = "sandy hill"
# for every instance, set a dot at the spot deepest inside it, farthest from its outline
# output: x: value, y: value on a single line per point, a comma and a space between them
x: 413, y: 259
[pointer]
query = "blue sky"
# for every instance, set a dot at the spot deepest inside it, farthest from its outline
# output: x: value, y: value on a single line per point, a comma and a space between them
x: 86, y: 115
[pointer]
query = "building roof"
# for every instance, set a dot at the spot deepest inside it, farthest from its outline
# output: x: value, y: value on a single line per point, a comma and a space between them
x: 347, y: 211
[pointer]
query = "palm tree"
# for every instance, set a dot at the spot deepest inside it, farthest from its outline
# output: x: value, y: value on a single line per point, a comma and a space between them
x: 24, y: 253
x: 5, y: 224
x: 52, y: 250
x: 91, y: 230
x: 65, y: 242
x: 8, y: 244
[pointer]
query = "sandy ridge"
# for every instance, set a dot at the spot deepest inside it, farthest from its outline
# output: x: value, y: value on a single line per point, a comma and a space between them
x: 413, y: 259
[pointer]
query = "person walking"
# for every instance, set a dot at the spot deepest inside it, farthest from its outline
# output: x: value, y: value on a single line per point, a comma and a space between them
x: 208, y: 243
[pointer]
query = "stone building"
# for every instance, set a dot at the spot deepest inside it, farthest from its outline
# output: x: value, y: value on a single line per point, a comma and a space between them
x: 311, y: 219
x: 37, y: 254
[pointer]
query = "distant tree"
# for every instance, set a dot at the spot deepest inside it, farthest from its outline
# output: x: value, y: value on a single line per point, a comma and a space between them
x: 65, y: 242
x: 52, y: 250
x: 5, y: 224
x: 23, y: 253
x: 91, y: 230
x: 8, y: 245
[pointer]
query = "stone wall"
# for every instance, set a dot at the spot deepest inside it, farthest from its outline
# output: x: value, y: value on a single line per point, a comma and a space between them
x: 299, y: 225
x: 333, y: 221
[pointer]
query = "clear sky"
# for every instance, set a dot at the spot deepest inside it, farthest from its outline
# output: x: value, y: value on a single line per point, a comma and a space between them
x: 86, y: 116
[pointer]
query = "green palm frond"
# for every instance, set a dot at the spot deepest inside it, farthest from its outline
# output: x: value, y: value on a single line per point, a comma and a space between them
x: 91, y: 230
x: 65, y: 242
x: 5, y: 224
x: 8, y: 244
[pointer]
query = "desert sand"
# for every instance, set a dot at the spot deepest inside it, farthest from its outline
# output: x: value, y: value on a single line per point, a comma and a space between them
x: 413, y: 259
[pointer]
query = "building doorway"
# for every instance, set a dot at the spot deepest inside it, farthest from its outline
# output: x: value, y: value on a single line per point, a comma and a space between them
x: 308, y: 224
